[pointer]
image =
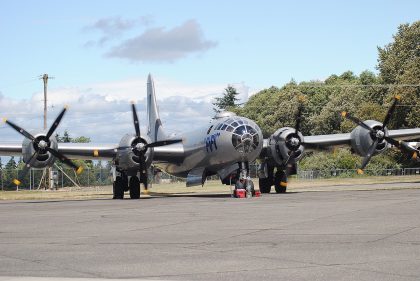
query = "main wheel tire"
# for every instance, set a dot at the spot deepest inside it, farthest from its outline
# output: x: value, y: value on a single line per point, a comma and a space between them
x: 265, y: 185
x: 134, y: 187
x: 124, y: 178
x: 118, y: 188
x: 280, y: 182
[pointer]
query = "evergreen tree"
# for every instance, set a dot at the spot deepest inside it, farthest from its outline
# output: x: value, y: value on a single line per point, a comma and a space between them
x: 228, y: 100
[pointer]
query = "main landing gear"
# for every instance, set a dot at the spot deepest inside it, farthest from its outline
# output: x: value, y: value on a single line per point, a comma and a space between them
x: 123, y: 183
x: 278, y: 179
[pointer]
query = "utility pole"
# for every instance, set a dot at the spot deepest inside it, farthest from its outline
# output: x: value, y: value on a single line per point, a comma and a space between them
x: 48, y: 178
x: 45, y: 79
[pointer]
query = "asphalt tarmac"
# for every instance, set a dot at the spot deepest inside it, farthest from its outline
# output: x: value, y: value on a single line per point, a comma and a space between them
x: 332, y: 235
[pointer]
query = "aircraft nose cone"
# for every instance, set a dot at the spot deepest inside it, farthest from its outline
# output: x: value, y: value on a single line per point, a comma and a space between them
x: 245, y: 139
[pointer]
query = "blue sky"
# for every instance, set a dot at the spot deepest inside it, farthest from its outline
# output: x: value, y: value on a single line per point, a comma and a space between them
x: 96, y: 50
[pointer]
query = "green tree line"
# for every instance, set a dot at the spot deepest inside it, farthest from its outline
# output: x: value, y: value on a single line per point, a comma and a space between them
x: 367, y: 96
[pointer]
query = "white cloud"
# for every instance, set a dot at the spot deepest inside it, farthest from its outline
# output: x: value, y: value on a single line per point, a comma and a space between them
x: 161, y: 45
x: 114, y: 27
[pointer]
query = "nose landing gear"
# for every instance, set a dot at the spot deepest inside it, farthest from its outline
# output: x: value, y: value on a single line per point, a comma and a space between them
x: 244, y: 187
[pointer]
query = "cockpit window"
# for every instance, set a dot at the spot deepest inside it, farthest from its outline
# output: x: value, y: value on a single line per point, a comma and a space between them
x: 229, y: 128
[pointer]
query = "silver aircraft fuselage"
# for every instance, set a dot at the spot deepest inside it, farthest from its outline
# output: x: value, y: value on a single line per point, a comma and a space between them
x: 226, y: 140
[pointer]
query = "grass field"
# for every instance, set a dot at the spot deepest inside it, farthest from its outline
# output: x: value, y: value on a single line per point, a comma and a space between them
x: 362, y: 183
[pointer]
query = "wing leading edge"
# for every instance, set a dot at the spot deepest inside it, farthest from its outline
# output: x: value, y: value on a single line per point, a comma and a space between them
x: 322, y: 142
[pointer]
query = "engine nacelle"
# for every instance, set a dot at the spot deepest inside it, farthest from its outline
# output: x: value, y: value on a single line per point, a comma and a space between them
x: 128, y: 158
x: 362, y: 139
x: 282, y: 143
x: 44, y: 158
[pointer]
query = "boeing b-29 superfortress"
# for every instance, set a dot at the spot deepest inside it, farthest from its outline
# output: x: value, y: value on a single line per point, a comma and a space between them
x: 224, y: 148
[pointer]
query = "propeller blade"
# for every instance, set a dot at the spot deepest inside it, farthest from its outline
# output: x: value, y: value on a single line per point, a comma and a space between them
x: 143, y: 174
x: 356, y: 120
x: 65, y: 160
x: 288, y: 158
x: 298, y: 118
x: 162, y: 143
x: 19, y: 130
x: 142, y: 170
x: 25, y: 169
x: 368, y: 155
x: 403, y: 146
x: 56, y: 122
x: 390, y: 111
x: 136, y: 120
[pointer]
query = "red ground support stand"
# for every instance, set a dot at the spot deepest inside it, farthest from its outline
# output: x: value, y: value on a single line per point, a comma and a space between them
x: 241, y: 193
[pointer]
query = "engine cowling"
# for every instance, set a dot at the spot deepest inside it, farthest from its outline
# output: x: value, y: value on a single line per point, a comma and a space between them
x: 128, y: 158
x: 44, y: 158
x: 281, y: 145
x: 362, y: 139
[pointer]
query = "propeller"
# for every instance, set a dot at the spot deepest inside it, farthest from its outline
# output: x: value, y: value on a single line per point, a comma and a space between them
x: 378, y: 134
x: 139, y: 146
x: 41, y: 145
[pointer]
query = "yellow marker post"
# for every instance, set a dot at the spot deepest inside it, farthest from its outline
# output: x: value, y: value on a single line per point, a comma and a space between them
x: 16, y: 182
x: 79, y: 170
x: 96, y: 153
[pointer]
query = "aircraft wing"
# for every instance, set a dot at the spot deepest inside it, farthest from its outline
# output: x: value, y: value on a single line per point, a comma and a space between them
x: 88, y: 150
x: 10, y: 149
x: 405, y: 134
x: 71, y: 150
x: 322, y: 142
x: 91, y: 151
